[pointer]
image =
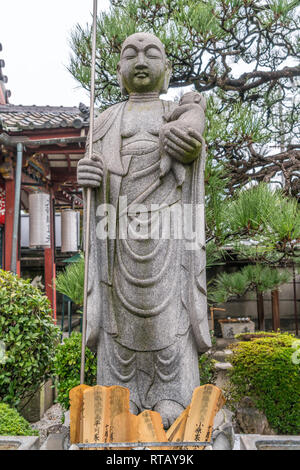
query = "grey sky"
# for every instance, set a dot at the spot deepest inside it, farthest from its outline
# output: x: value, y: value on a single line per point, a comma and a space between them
x: 34, y: 36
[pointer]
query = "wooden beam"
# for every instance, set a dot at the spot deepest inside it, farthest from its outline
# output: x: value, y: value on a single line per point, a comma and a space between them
x: 9, y: 222
x: 67, y: 156
x: 55, y: 150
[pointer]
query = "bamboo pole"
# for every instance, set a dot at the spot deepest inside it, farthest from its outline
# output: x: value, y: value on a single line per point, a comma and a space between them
x: 88, y: 196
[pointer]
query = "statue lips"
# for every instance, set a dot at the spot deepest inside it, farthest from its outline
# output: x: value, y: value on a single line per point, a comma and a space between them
x: 141, y: 74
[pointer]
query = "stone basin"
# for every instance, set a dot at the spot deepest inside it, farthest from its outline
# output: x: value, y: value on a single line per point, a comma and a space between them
x: 260, y: 442
x: 275, y: 445
x: 19, y: 442
x: 9, y: 445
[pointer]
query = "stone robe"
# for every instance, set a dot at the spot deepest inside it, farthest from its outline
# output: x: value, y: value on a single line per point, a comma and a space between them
x: 147, y: 310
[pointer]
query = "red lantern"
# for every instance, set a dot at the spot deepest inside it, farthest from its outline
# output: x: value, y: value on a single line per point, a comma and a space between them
x: 2, y: 205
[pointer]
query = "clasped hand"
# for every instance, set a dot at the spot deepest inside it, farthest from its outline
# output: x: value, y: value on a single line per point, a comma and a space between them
x: 90, y: 171
x: 183, y: 144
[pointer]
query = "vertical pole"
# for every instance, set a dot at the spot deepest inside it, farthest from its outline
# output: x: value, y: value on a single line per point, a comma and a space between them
x: 69, y: 317
x: 88, y: 196
x: 62, y: 315
x: 260, y: 310
x: 295, y: 300
x: 15, y: 233
x: 275, y: 310
x: 9, y: 222
x: 1, y: 247
x: 50, y: 267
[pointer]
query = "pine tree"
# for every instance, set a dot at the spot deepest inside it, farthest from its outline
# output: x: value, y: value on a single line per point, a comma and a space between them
x: 244, y: 54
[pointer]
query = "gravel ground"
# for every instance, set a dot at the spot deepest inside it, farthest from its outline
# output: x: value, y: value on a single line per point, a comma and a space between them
x: 51, y: 422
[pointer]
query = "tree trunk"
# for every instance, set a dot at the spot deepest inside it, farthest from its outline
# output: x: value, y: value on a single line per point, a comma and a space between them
x: 260, y: 310
x: 275, y: 310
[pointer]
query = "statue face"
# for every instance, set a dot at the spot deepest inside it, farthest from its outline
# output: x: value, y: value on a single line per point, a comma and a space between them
x: 143, y: 64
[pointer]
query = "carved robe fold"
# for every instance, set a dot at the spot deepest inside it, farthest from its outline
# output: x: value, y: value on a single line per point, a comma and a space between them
x: 147, y: 310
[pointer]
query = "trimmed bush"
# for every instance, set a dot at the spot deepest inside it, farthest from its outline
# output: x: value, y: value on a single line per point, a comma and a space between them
x: 28, y: 338
x: 265, y: 370
x: 12, y: 424
x: 67, y: 367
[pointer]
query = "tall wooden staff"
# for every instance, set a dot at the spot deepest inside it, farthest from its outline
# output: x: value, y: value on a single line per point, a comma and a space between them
x: 88, y: 196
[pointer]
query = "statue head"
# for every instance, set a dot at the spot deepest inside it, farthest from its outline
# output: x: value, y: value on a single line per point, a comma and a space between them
x: 193, y: 97
x: 143, y: 65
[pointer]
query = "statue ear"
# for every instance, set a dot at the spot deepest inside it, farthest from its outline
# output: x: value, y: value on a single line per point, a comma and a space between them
x: 124, y: 92
x: 168, y: 74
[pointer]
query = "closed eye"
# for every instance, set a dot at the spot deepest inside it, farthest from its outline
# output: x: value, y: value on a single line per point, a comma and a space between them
x: 153, y: 53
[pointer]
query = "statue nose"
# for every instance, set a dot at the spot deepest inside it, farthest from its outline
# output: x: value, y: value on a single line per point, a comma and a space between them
x: 141, y: 63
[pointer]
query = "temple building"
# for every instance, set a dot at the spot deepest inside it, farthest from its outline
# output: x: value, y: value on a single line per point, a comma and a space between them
x: 39, y: 150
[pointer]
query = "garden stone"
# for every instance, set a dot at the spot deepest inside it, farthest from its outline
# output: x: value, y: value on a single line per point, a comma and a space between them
x: 147, y: 305
x: 250, y: 420
x: 57, y: 441
x: 222, y: 356
x: 51, y: 422
x: 223, y: 343
x: 223, y: 433
x: 222, y: 369
x: 230, y: 329
x: 67, y: 419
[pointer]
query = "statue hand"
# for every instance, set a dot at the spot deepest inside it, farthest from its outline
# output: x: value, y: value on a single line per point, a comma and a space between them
x: 184, y: 144
x: 90, y: 172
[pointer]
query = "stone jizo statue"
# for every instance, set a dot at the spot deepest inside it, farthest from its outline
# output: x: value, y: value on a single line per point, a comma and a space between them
x: 147, y: 311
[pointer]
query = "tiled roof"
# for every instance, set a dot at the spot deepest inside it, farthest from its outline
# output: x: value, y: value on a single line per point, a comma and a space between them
x: 14, y: 118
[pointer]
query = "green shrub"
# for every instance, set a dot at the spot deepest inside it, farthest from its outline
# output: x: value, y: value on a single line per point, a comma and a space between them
x: 28, y: 337
x: 12, y: 424
x: 67, y: 367
x: 70, y: 282
x: 265, y: 371
x: 207, y: 370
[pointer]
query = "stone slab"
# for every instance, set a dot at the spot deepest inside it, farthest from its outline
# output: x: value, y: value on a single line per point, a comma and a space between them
x: 58, y: 441
x: 261, y: 442
x: 229, y: 330
x: 19, y: 442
